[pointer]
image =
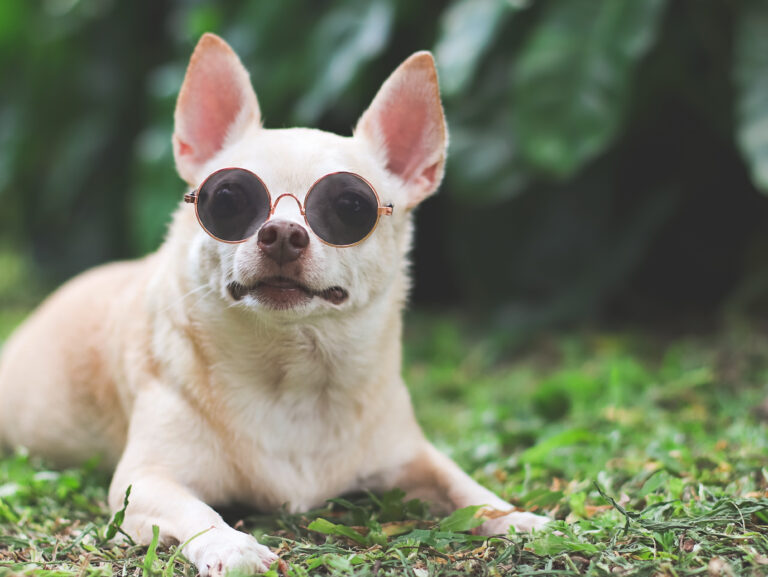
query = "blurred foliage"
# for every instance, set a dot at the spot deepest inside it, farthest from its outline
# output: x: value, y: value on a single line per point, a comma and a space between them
x: 606, y: 156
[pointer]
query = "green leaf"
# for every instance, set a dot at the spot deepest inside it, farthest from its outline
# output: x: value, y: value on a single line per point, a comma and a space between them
x: 202, y: 18
x: 346, y: 39
x: 360, y: 515
x: 486, y: 167
x: 7, y: 513
x: 542, y: 497
x: 751, y: 81
x: 117, y: 521
x: 572, y: 80
x: 541, y: 452
x: 148, y: 566
x: 327, y: 528
x: 14, y: 15
x: 462, y: 520
x: 436, y: 539
x: 467, y: 29
x: 550, y: 545
x: 169, y: 566
x: 658, y: 479
x: 14, y: 541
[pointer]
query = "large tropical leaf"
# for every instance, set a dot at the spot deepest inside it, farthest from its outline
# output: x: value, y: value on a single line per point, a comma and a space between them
x: 346, y: 39
x: 751, y: 79
x: 467, y: 28
x: 573, y: 78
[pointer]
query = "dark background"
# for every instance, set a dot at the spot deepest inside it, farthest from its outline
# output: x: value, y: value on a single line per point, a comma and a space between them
x: 607, y: 158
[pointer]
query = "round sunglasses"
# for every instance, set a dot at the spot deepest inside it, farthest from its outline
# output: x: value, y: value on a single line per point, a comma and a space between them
x: 342, y: 209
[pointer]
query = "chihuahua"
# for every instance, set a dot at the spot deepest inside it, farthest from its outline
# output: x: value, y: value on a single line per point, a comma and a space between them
x: 255, y: 357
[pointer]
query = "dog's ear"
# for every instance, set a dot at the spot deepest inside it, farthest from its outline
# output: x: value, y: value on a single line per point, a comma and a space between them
x: 405, y: 123
x: 216, y: 103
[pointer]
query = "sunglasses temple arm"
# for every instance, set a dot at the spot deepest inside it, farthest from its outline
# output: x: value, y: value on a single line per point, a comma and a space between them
x: 191, y: 197
x: 385, y: 210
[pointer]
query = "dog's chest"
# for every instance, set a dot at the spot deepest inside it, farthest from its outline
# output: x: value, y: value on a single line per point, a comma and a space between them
x: 298, y: 432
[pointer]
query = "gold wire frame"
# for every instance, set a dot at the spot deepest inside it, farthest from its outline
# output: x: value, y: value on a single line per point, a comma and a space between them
x: 192, y: 198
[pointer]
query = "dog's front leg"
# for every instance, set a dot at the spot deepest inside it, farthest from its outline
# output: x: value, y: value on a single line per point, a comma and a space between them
x: 215, y: 547
x: 435, y: 478
x: 172, y: 462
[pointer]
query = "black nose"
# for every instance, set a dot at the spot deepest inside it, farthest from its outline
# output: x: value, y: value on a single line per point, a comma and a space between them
x: 282, y: 241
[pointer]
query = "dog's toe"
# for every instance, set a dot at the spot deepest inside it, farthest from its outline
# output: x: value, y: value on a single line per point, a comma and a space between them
x: 520, y: 520
x: 221, y: 550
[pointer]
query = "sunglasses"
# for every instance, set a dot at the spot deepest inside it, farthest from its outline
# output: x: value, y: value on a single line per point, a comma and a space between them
x: 342, y: 209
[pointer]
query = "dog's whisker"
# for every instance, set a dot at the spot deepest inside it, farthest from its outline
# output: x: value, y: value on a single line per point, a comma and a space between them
x: 182, y: 298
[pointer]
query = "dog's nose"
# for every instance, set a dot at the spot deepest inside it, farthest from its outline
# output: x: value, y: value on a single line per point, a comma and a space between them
x: 282, y: 241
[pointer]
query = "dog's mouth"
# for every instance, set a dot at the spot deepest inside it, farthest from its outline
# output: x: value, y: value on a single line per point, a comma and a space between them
x: 284, y: 293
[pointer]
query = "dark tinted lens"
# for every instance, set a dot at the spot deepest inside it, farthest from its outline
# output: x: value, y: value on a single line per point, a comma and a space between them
x: 232, y: 204
x: 341, y: 209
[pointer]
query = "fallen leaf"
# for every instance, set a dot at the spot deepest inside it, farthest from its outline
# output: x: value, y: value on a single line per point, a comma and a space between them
x: 488, y: 513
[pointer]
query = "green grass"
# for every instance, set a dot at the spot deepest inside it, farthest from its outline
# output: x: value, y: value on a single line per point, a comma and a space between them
x: 649, y: 452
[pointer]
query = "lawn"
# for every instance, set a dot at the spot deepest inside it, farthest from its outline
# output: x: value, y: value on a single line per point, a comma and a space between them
x: 649, y: 452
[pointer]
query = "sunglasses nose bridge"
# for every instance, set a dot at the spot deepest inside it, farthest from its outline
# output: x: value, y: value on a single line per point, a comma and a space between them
x: 281, y: 197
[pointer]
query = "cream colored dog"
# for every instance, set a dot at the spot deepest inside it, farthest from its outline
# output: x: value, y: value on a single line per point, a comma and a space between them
x: 265, y: 371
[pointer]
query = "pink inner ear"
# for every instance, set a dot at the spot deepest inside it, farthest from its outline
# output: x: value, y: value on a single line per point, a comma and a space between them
x: 430, y: 173
x: 184, y: 148
x: 211, y: 104
x: 405, y: 127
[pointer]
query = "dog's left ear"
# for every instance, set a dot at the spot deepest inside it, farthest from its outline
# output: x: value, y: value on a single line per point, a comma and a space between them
x: 405, y: 124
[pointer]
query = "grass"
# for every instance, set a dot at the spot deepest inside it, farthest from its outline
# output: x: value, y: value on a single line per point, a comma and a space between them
x: 650, y: 453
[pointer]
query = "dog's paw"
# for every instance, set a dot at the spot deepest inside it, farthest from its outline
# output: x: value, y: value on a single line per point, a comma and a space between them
x: 520, y: 520
x: 224, y: 549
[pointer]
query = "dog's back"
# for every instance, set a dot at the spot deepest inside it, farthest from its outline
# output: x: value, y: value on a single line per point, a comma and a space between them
x: 57, y: 379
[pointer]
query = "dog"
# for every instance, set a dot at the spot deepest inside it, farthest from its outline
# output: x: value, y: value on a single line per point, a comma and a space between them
x: 255, y: 357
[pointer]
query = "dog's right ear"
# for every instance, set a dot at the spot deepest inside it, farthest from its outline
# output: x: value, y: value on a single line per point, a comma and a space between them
x: 216, y: 104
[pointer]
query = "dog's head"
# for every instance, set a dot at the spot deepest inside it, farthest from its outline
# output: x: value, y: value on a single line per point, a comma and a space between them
x: 283, y: 267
